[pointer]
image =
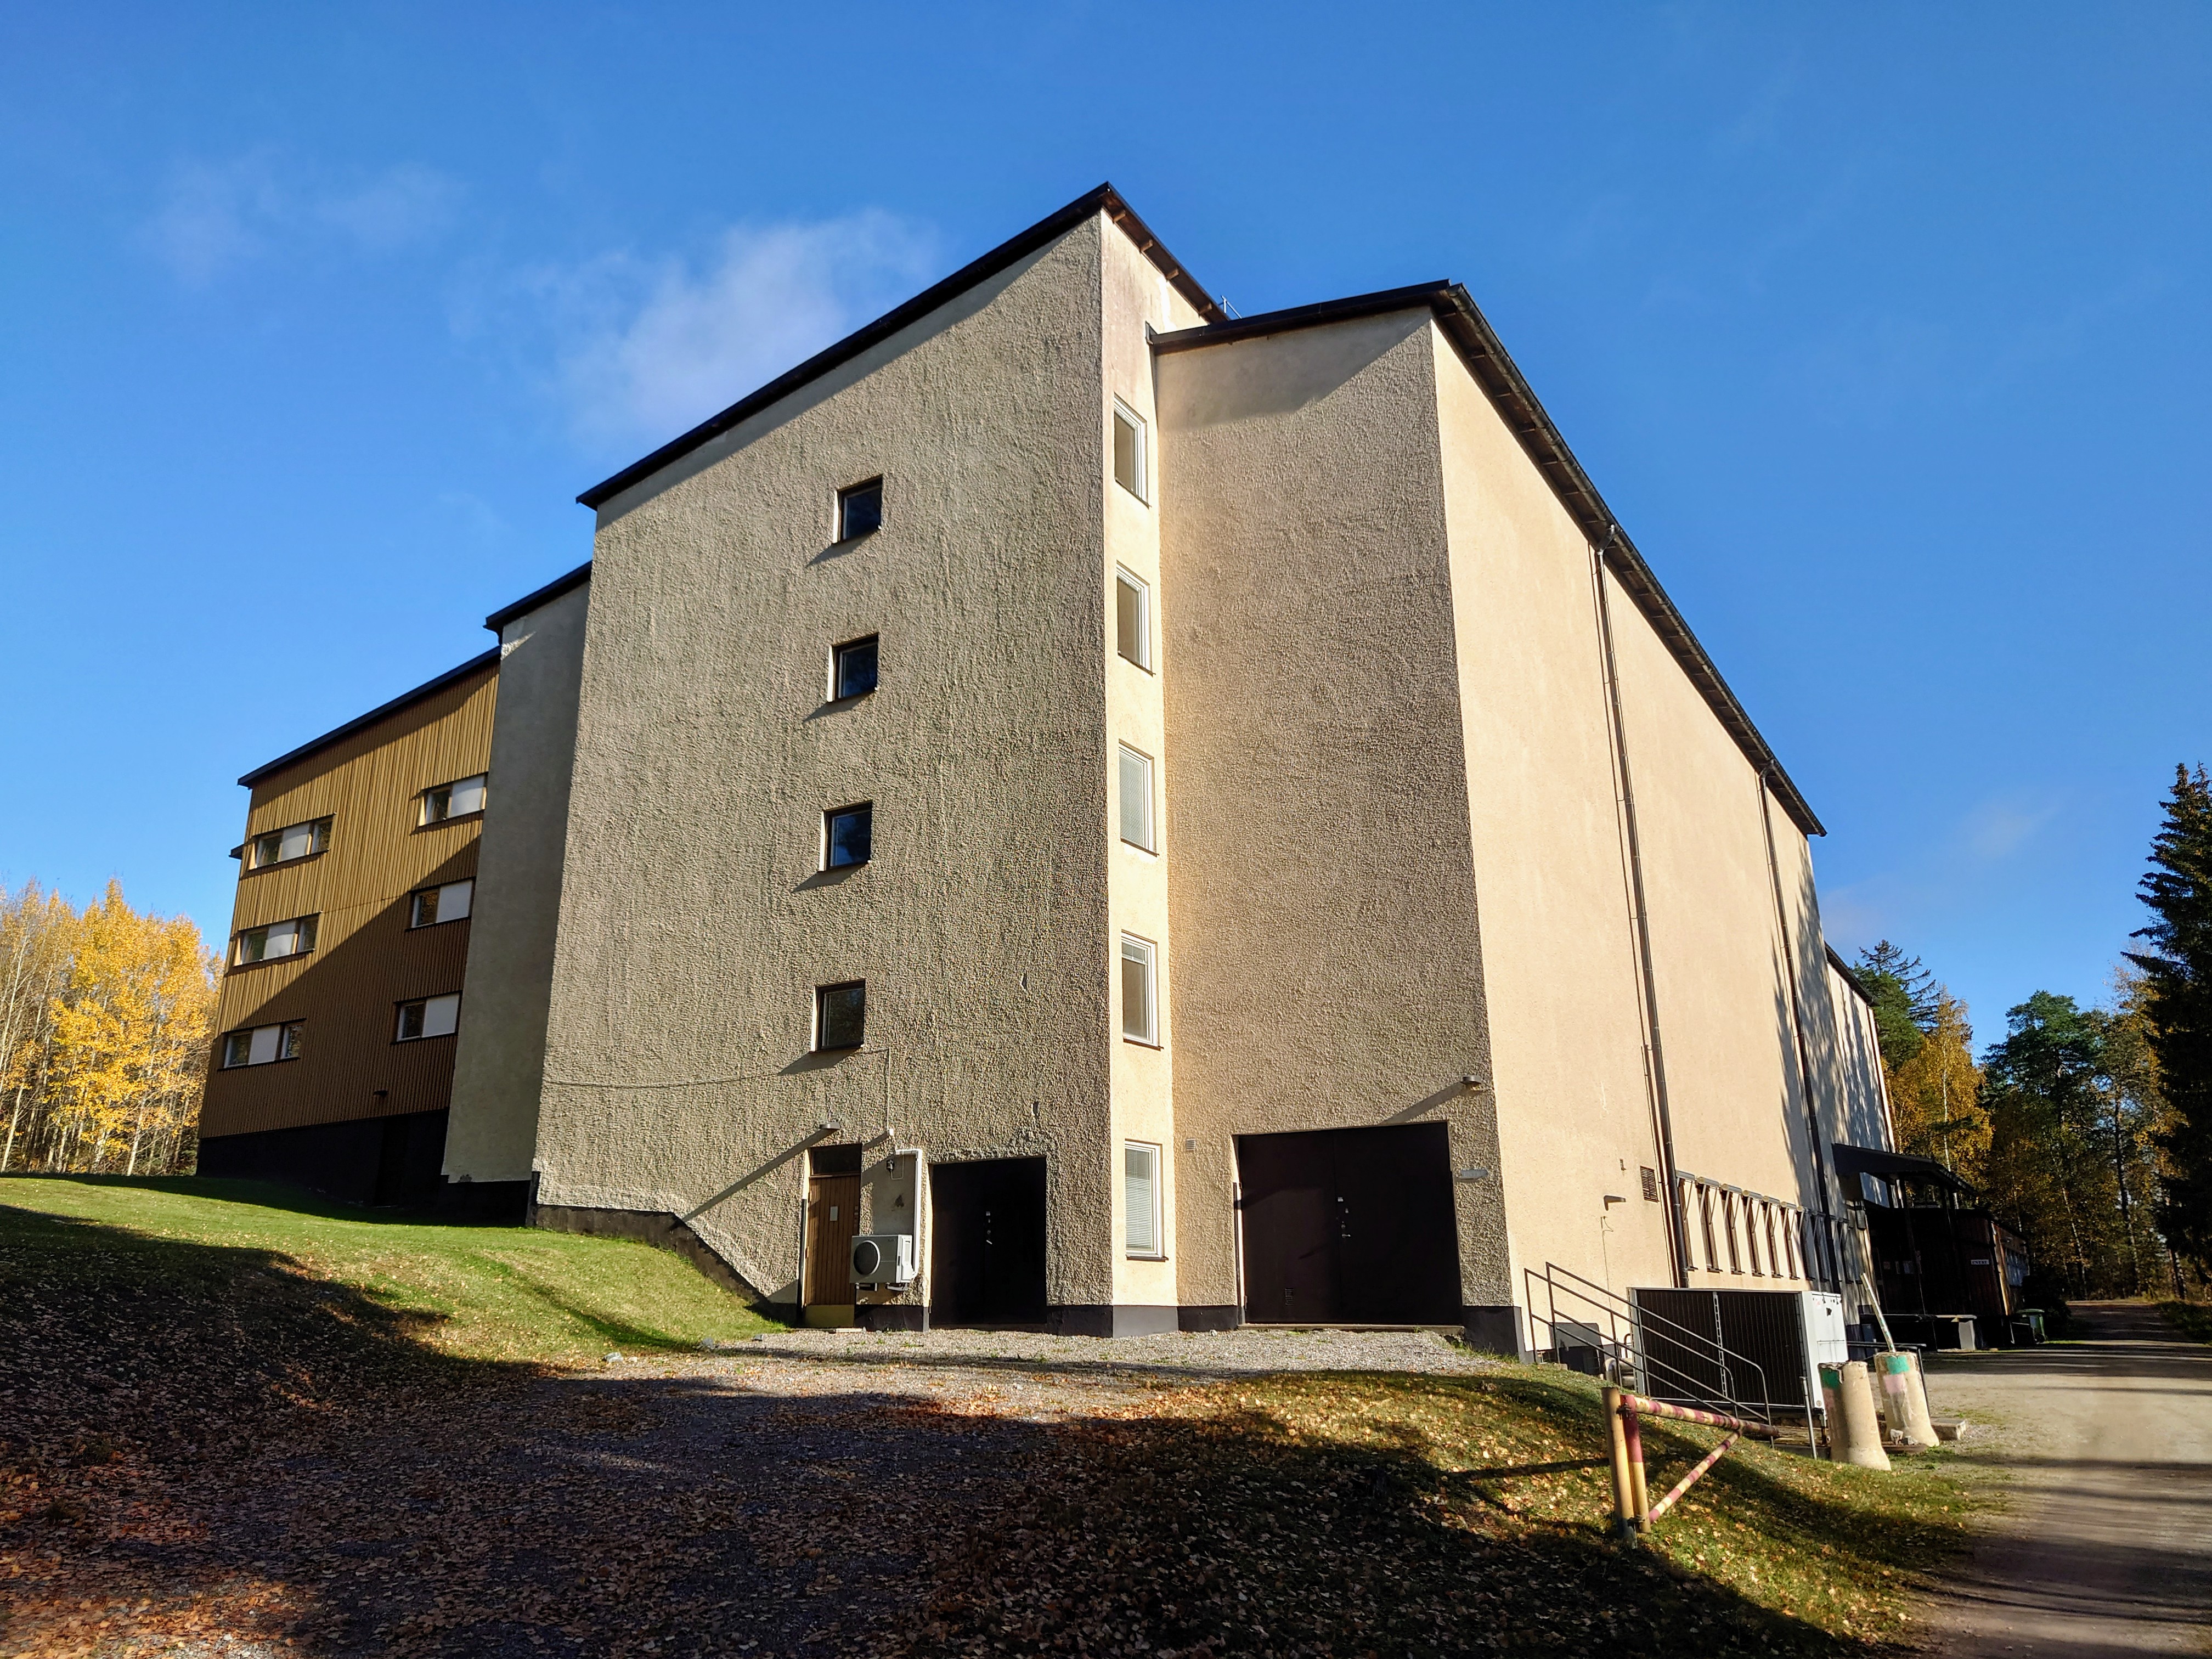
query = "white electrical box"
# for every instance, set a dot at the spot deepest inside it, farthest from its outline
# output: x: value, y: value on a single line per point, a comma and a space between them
x: 1820, y: 1315
x: 883, y: 1259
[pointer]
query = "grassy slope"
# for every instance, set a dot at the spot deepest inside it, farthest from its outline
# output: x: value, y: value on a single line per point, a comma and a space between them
x: 498, y: 1293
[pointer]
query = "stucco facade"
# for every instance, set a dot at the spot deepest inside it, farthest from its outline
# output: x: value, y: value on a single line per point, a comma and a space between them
x: 1463, y: 875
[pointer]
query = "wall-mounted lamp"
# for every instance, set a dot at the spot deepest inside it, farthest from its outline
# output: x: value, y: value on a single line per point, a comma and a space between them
x: 1611, y: 1199
x: 1470, y: 1082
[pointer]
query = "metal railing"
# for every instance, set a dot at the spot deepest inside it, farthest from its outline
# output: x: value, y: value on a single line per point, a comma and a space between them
x: 1645, y: 1351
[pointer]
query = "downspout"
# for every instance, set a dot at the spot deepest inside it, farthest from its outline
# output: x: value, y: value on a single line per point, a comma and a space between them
x: 1804, y: 1049
x: 1670, y: 1185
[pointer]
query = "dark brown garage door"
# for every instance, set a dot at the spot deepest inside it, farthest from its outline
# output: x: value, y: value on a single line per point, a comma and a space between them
x: 1349, y: 1226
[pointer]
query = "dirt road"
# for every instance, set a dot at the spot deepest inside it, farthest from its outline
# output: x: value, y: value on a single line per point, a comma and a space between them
x: 2106, y: 1548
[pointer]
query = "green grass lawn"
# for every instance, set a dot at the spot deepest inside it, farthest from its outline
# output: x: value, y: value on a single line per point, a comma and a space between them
x: 494, y: 1293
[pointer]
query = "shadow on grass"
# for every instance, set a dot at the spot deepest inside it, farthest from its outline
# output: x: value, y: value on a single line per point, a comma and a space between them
x: 202, y: 1440
x: 261, y: 1194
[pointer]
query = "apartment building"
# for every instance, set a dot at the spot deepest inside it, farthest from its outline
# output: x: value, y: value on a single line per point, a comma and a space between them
x: 1157, y: 820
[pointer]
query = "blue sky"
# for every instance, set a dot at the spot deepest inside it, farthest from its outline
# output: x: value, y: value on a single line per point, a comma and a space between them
x: 1883, y: 328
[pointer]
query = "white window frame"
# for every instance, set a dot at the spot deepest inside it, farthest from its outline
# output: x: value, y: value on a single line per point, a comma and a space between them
x: 466, y: 886
x: 436, y: 1011
x: 1126, y: 754
x: 1158, y: 1250
x: 319, y: 841
x: 1141, y: 455
x: 1146, y: 1032
x: 307, y: 925
x: 481, y: 780
x: 282, y: 1042
x: 1137, y: 585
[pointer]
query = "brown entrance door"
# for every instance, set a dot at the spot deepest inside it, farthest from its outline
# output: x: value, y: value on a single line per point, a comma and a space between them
x: 833, y: 1217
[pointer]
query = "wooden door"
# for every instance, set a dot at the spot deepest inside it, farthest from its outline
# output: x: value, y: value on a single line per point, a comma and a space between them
x: 833, y: 1217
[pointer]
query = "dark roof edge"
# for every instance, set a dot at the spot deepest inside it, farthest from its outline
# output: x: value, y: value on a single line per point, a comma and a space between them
x: 1104, y: 198
x: 530, y: 601
x: 1849, y: 973
x: 363, y: 722
x: 1501, y: 379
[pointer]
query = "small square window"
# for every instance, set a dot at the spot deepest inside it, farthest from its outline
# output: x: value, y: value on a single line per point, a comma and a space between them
x: 1140, y: 1200
x: 453, y: 800
x: 1136, y: 780
x: 1129, y: 457
x: 859, y: 510
x: 852, y: 669
x: 1140, y: 1002
x: 433, y: 905
x: 1133, y: 619
x: 841, y: 1015
x: 848, y: 835
x: 430, y: 1016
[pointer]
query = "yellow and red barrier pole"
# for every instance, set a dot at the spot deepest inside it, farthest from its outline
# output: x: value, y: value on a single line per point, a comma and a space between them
x: 1633, y: 1509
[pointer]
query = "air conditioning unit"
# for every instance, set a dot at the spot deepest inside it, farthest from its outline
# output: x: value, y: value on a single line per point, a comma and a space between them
x: 883, y: 1259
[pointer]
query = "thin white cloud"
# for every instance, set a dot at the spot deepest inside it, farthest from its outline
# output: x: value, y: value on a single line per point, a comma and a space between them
x: 645, y: 348
x: 1997, y: 829
x: 217, y: 217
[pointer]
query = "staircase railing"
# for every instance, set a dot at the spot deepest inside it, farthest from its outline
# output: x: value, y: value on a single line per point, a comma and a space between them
x: 1645, y: 1351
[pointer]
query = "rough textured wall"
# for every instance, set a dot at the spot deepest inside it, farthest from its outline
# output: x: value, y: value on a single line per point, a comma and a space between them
x: 1328, y: 966
x: 1560, y: 966
x: 695, y: 923
x: 501, y: 1060
x: 366, y: 959
x: 1725, y: 1018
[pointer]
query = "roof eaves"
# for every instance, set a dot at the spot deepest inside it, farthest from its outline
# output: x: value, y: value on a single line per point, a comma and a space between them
x: 363, y: 722
x: 1850, y: 975
x: 1105, y: 198
x: 1509, y: 390
x: 530, y: 601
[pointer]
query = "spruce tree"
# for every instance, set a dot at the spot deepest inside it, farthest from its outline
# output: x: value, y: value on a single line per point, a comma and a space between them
x: 2178, y: 975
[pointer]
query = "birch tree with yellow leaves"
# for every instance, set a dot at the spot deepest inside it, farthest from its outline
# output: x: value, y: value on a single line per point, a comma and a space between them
x: 105, y: 1018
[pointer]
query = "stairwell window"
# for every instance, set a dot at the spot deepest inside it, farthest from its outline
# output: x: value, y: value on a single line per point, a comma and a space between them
x: 428, y: 1017
x: 262, y: 1045
x: 1140, y: 1020
x: 1136, y: 803
x: 294, y: 840
x: 456, y: 799
x: 433, y: 905
x: 1131, y: 462
x: 275, y: 941
x: 1140, y: 1200
x: 1133, y: 619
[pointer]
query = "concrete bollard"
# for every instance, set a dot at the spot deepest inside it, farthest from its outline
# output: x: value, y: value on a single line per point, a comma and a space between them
x: 1854, y: 1432
x: 1919, y: 1421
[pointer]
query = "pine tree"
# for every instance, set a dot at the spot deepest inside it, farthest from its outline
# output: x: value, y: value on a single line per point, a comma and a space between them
x: 2177, y: 1004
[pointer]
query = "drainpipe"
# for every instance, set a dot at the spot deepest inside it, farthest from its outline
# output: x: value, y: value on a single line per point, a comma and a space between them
x: 1804, y: 1049
x: 1669, y: 1184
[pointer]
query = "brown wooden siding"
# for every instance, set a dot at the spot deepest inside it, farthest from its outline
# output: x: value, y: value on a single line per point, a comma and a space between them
x: 366, y: 960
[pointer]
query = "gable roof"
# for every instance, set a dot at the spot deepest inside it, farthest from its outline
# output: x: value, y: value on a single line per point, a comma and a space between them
x: 1494, y: 370
x: 1105, y: 198
x: 363, y: 722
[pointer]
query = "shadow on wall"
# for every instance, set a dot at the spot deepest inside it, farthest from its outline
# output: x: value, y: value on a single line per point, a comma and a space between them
x: 260, y: 1453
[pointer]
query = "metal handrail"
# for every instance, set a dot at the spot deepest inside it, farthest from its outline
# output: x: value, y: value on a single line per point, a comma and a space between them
x: 1642, y: 1321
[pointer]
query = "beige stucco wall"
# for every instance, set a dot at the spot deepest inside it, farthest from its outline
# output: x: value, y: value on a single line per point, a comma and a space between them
x: 1329, y: 965
x: 1867, y: 1120
x: 1728, y: 1020
x: 499, y: 1065
x: 1575, y: 1117
x: 694, y: 926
